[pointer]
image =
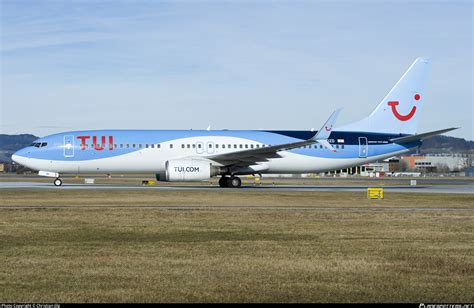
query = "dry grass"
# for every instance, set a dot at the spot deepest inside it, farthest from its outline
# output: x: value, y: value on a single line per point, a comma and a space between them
x: 260, y: 247
x: 227, y: 198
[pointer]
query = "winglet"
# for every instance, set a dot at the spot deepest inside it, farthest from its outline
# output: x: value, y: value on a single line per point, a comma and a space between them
x: 326, y: 130
x: 323, y: 134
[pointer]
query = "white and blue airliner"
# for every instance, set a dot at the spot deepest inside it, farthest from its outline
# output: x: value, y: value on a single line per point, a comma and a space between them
x: 198, y: 155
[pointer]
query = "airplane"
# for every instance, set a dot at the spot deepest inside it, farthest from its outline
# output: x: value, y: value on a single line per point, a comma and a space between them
x: 198, y: 155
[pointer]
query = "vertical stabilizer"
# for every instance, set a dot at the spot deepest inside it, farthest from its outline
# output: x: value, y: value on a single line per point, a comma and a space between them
x: 400, y: 109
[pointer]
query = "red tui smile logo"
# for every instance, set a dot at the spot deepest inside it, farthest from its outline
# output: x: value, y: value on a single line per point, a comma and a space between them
x: 402, y: 117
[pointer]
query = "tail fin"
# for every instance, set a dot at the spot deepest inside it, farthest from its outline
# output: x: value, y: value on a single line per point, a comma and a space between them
x: 400, y: 110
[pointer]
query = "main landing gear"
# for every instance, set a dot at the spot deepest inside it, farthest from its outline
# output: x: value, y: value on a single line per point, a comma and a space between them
x: 58, y: 182
x: 231, y: 182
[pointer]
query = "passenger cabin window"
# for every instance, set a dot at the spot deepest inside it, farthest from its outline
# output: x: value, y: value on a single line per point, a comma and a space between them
x: 182, y: 146
x: 171, y: 145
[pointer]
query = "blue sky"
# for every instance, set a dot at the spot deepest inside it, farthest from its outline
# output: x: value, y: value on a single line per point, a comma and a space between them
x: 230, y: 64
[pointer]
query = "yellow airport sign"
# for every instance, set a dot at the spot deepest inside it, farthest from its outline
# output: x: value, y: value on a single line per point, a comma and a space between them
x: 374, y: 193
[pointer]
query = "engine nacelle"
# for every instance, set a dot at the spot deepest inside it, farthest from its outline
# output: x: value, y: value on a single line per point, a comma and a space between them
x: 188, y: 170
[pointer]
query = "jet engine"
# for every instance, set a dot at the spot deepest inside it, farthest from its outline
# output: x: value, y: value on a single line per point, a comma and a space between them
x: 188, y: 170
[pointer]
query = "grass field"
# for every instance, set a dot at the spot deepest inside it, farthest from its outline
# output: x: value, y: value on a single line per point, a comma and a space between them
x: 235, y: 246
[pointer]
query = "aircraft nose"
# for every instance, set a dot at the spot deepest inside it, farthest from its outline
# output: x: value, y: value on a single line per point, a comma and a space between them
x: 16, y: 158
x: 19, y: 157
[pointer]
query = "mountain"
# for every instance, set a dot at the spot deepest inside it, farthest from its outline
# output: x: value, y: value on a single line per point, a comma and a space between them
x: 11, y: 143
x: 438, y: 144
x: 446, y: 144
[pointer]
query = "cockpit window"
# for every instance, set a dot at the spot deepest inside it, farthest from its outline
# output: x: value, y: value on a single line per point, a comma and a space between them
x: 38, y: 144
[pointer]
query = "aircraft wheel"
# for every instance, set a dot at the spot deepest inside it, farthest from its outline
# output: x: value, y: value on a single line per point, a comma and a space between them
x: 223, y: 181
x: 58, y: 182
x: 234, y: 182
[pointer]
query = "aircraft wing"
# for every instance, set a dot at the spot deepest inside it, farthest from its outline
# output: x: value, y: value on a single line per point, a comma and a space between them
x: 254, y: 156
x: 418, y: 137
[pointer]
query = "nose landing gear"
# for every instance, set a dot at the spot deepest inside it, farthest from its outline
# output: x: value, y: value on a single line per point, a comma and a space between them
x: 58, y: 182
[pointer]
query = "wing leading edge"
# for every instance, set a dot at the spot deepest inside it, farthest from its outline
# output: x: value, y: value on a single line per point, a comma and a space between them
x: 254, y: 156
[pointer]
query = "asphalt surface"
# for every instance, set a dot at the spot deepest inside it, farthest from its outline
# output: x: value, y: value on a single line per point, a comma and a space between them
x: 443, y: 189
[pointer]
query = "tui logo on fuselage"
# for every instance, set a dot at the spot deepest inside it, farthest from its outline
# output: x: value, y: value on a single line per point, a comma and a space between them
x: 97, y: 146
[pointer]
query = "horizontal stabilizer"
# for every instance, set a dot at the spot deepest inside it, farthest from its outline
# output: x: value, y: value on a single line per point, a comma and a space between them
x: 419, y: 137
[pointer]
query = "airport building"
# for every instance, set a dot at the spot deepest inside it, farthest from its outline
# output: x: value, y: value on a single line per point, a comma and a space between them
x: 438, y: 162
x: 413, y: 165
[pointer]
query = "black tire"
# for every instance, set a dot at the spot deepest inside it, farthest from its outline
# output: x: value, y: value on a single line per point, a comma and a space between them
x: 234, y: 182
x: 58, y: 182
x: 223, y: 181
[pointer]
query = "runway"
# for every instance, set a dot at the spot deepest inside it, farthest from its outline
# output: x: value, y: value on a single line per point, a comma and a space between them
x: 440, y: 189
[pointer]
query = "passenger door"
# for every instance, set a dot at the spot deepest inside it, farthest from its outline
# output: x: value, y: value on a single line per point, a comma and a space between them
x: 363, y: 147
x: 68, y: 146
